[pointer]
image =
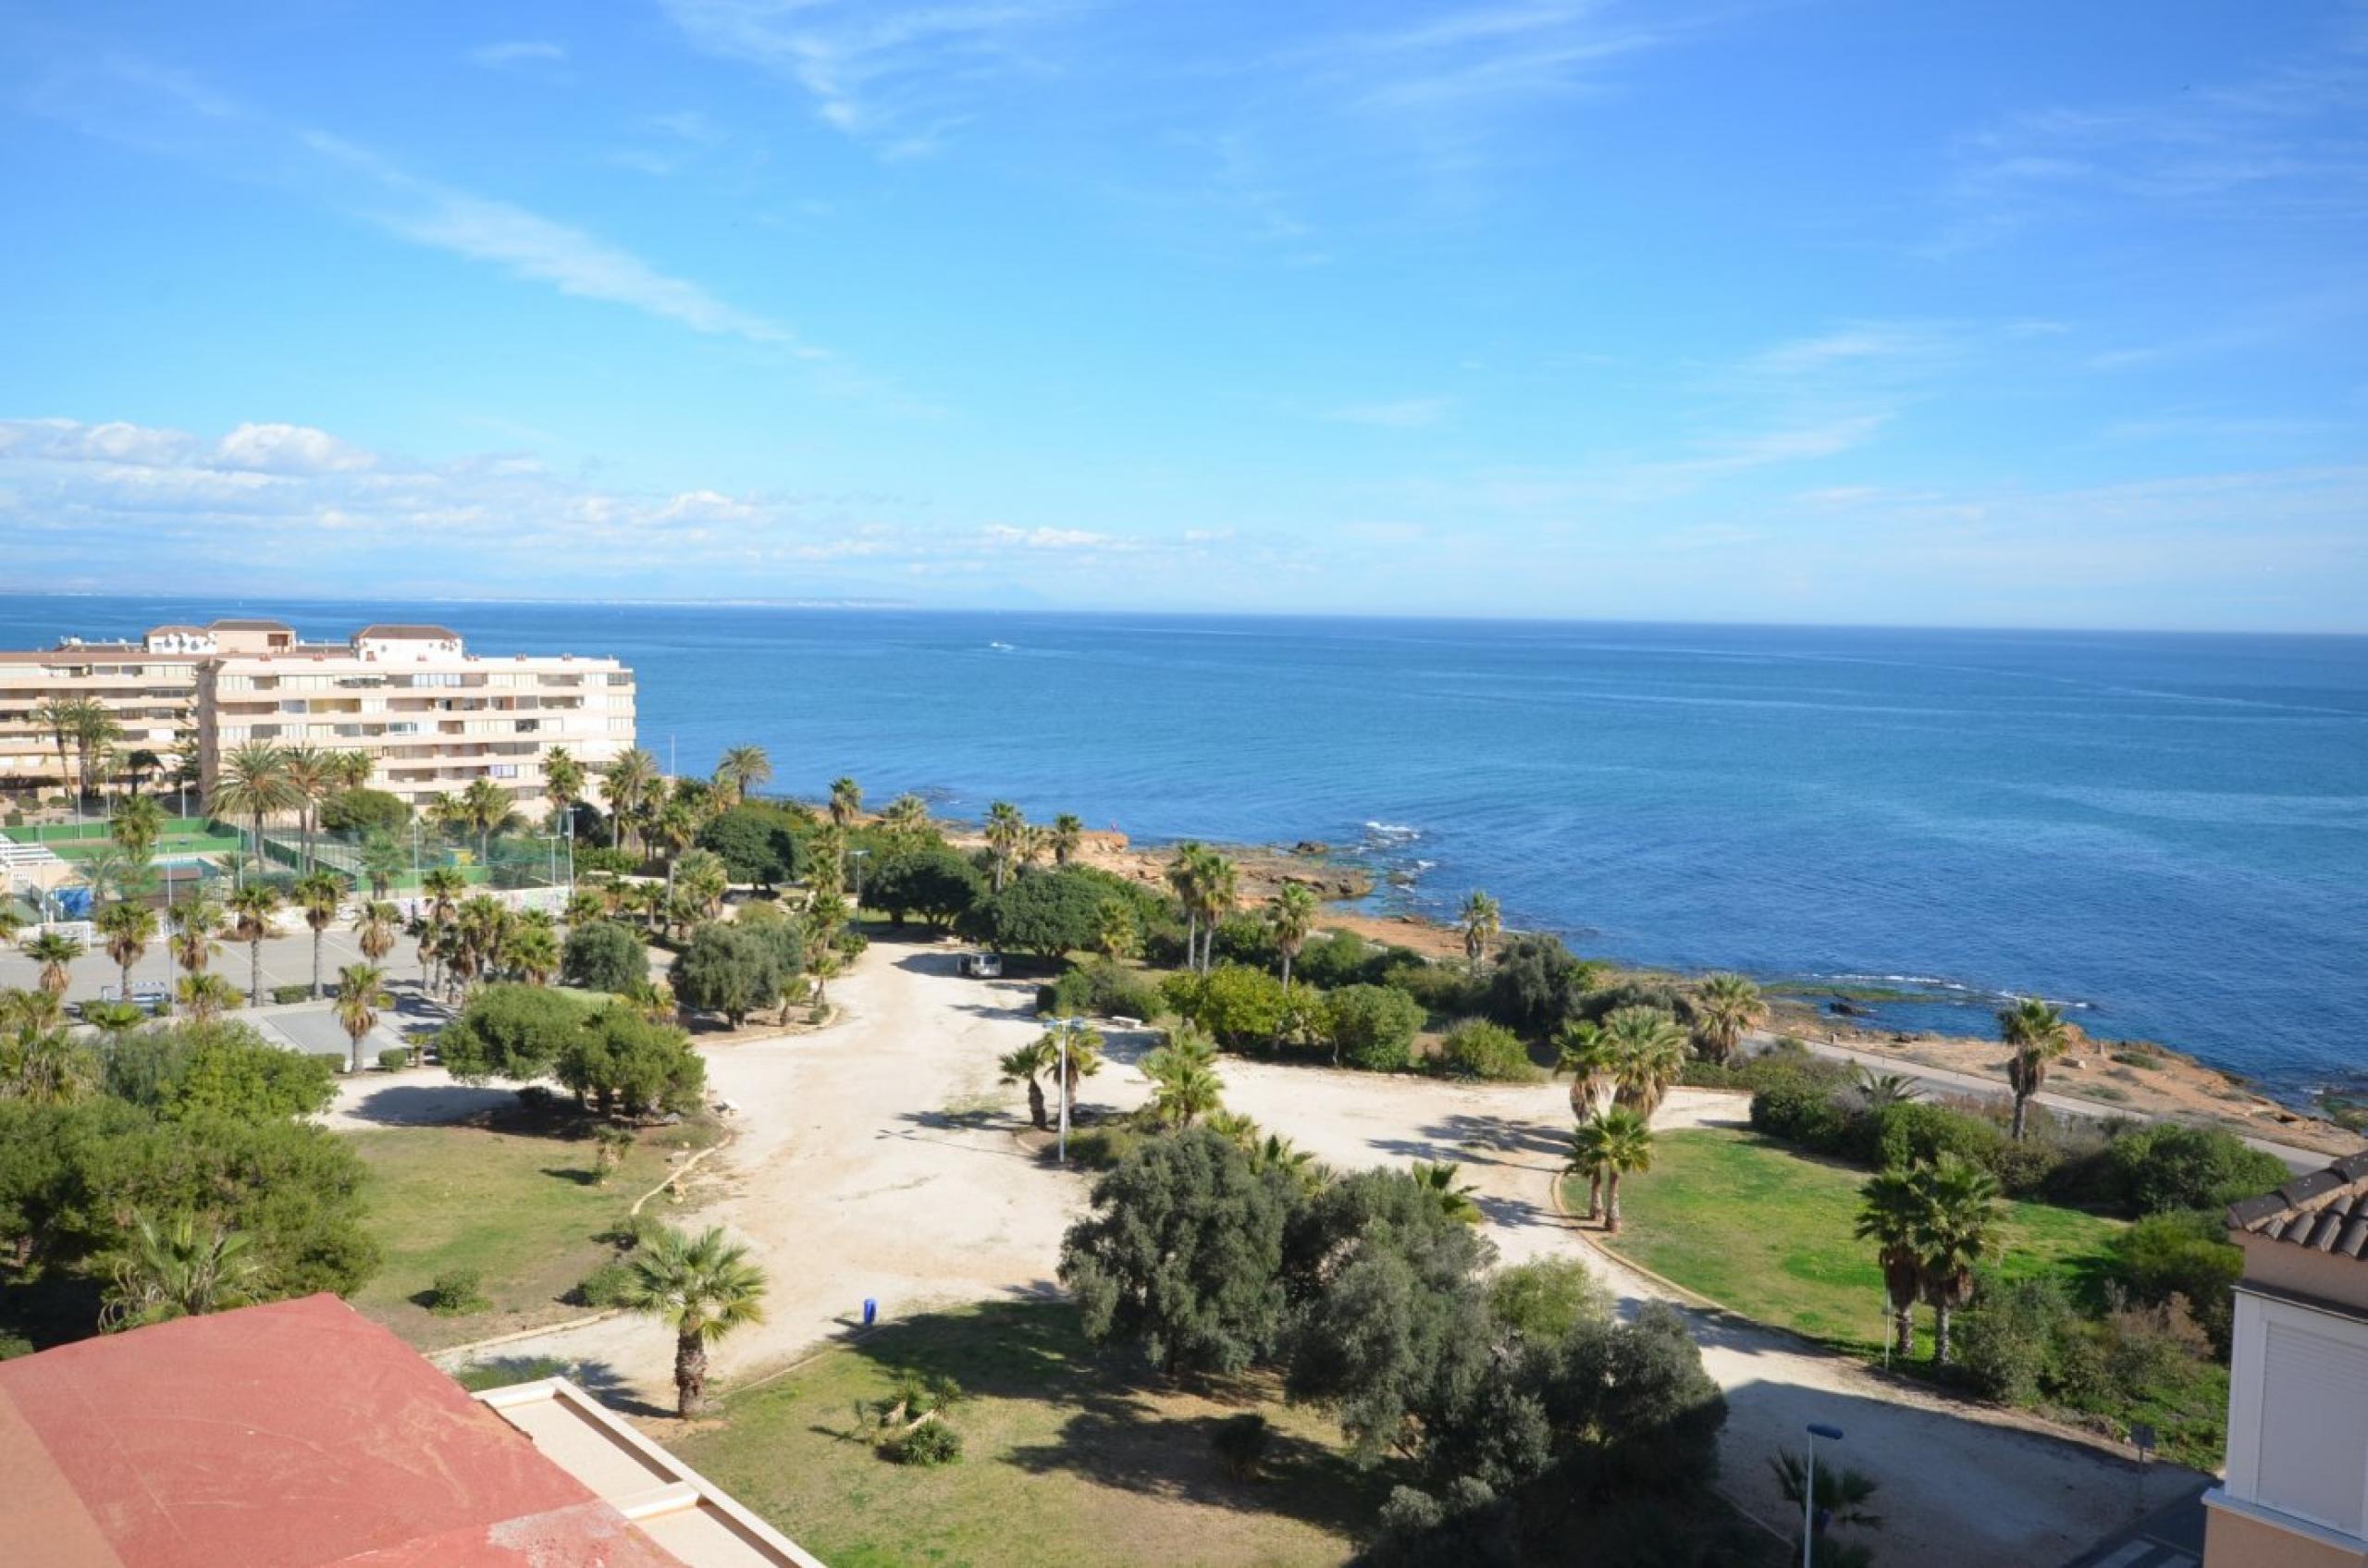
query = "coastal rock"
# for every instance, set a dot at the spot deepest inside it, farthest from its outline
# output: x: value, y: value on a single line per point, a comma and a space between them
x: 1842, y: 1006
x: 1310, y: 846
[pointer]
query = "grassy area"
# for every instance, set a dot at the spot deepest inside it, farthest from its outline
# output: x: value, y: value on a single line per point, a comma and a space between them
x: 1766, y: 1231
x: 519, y: 1209
x: 1071, y: 1458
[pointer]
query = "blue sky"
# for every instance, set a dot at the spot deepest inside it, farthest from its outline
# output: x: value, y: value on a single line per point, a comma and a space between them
x: 1845, y: 312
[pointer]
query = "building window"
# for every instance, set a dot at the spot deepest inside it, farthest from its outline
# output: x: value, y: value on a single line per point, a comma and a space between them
x: 503, y: 769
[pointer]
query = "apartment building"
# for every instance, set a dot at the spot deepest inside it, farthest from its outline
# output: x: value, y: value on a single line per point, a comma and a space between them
x: 432, y: 716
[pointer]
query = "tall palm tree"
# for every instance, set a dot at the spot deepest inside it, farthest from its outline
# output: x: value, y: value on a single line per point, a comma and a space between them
x: 61, y: 717
x: 177, y: 1269
x: 1961, y: 1213
x: 1024, y: 1065
x: 846, y: 802
x: 139, y: 765
x: 128, y: 929
x: 206, y: 998
x: 1612, y: 1144
x: 1454, y: 1197
x: 702, y: 1288
x: 194, y: 925
x: 1648, y: 1052
x: 563, y: 783
x: 361, y: 992
x: 1007, y: 830
x: 313, y: 774
x: 627, y: 781
x: 907, y: 816
x: 534, y: 952
x: 1068, y: 837
x: 741, y: 771
x: 1290, y: 915
x: 252, y: 907
x: 2039, y: 1036
x: 1891, y: 1214
x: 382, y: 860
x: 95, y: 732
x: 1185, y: 874
x: 671, y: 831
x: 1591, y: 1059
x: 253, y: 783
x: 485, y: 806
x: 138, y: 827
x: 374, y: 929
x: 352, y: 769
x: 1481, y: 919
x: 317, y: 893
x: 1724, y: 1011
x: 55, y: 952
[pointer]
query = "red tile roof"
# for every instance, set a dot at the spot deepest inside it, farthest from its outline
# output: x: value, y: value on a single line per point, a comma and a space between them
x: 297, y: 1435
x: 2324, y: 1210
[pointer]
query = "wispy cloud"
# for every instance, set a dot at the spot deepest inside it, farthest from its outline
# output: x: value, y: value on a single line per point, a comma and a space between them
x: 1404, y: 414
x: 519, y: 52
x: 898, y: 75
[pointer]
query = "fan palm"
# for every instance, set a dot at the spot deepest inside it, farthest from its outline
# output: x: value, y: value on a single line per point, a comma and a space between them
x: 253, y: 783
x: 1290, y: 915
x: 317, y: 893
x: 382, y: 860
x: 705, y: 880
x: 1840, y: 1494
x: 1481, y: 919
x: 846, y: 802
x: 1591, y: 1059
x: 352, y: 769
x: 1023, y: 1064
x: 1610, y: 1144
x: 1648, y: 1052
x: 252, y: 908
x: 1069, y: 836
x: 563, y: 783
x: 311, y: 774
x: 1960, y: 1220
x: 907, y: 816
x: 138, y: 827
x: 1724, y: 1011
x: 47, y: 1067
x: 1084, y: 1059
x: 702, y: 1288
x: 485, y: 806
x: 743, y: 768
x: 1891, y: 1214
x: 1184, y: 1085
x: 60, y: 717
x: 361, y: 992
x: 1185, y: 874
x: 534, y: 952
x: 55, y: 952
x: 1006, y: 830
x: 177, y: 1269
x: 627, y: 781
x: 374, y: 929
x: 194, y: 925
x: 29, y: 1012
x: 1454, y: 1197
x: 206, y: 998
x: 1220, y: 882
x: 1880, y: 1090
x: 2039, y: 1036
x: 128, y: 929
x: 95, y: 732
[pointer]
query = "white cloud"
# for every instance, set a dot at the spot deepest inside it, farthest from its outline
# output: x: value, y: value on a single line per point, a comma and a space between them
x: 1404, y: 414
x: 289, y: 449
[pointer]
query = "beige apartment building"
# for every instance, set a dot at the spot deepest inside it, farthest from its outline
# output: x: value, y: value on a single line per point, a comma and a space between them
x: 432, y: 716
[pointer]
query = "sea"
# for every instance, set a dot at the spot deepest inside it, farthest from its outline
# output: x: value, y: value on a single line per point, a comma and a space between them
x: 2168, y: 835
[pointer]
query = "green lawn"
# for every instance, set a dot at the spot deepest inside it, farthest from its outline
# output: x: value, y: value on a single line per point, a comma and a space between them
x: 1071, y: 1458
x: 521, y: 1209
x: 1752, y: 1223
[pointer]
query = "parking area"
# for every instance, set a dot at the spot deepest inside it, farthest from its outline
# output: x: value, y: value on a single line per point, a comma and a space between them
x: 287, y: 960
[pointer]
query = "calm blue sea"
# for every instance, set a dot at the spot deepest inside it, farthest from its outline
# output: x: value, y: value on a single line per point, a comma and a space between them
x: 2168, y: 832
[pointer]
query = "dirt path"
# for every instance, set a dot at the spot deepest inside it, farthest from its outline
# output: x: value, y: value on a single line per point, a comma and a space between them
x: 875, y: 1158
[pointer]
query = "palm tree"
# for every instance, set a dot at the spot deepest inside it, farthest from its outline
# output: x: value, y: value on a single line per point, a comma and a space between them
x: 907, y: 816
x: 253, y: 782
x: 317, y: 893
x: 1840, y: 1498
x: 176, y: 1270
x: 311, y: 774
x: 1069, y: 836
x: 138, y: 827
x: 194, y: 925
x: 846, y: 802
x: 1276, y: 1152
x: 1220, y: 881
x: 1116, y: 932
x: 1185, y: 874
x: 139, y: 765
x: 1023, y: 1064
x: 1891, y: 1214
x: 1006, y: 829
x: 1960, y: 1216
x: 742, y: 769
x: 352, y: 769
x: 61, y: 717
x: 55, y: 952
x: 702, y: 1288
x: 128, y: 929
x: 1606, y: 1146
x: 115, y: 1019
x: 1648, y: 1052
x: 95, y: 732
x: 360, y: 990
x: 705, y: 880
x: 483, y: 807
x: 1036, y: 846
x: 2039, y: 1036
x: 30, y: 1012
x: 12, y: 924
x: 1290, y: 915
x: 374, y: 929
x: 253, y: 906
x: 1084, y: 1058
x: 1183, y: 1077
x: 382, y: 860
x: 671, y: 830
x: 1724, y: 1011
x: 206, y: 998
x: 1878, y: 1090
x: 1454, y: 1197
x: 46, y: 1065
x: 1481, y: 919
x: 563, y: 783
x: 627, y: 781
x: 1591, y: 1059
x: 480, y: 938
x: 534, y: 952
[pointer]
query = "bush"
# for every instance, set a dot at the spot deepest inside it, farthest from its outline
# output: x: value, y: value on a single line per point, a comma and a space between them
x: 2166, y: 1167
x: 1333, y: 958
x: 1242, y: 1007
x: 394, y: 1059
x: 1544, y: 1300
x: 1443, y: 990
x: 284, y: 995
x: 759, y: 844
x: 1240, y: 1443
x: 504, y: 1371
x: 1536, y: 984
x: 1903, y: 1134
x: 1801, y: 1111
x: 605, y: 857
x: 363, y: 810
x: 1103, y: 1147
x: 604, y: 956
x: 606, y: 1285
x: 1372, y: 1026
x: 1101, y: 988
x: 456, y: 1292
x: 513, y: 1031
x: 931, y: 1443
x: 2186, y: 1254
x: 1245, y: 939
x: 728, y: 969
x: 1480, y: 1049
x: 2006, y: 1343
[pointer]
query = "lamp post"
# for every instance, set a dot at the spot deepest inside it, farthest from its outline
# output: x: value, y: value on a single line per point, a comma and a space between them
x: 1809, y: 1490
x: 857, y: 856
x: 1062, y: 1029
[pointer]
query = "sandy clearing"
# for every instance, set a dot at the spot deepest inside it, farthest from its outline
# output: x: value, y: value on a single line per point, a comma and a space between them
x: 875, y: 1158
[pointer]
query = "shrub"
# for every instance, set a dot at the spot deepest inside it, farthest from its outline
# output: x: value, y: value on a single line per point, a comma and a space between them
x: 501, y: 1371
x: 2182, y: 1254
x: 2167, y: 1166
x: 1544, y: 1300
x: 1332, y: 959
x: 513, y: 1032
x: 457, y: 1291
x: 1803, y: 1112
x: 1246, y: 939
x: 759, y: 844
x: 1103, y: 1147
x: 2006, y: 1341
x: 1481, y: 1049
x: 1242, y: 1007
x: 363, y: 810
x: 607, y: 1286
x: 394, y: 1059
x: 1443, y: 990
x: 931, y: 1443
x: 1903, y: 1134
x: 728, y: 970
x: 1536, y: 984
x: 1101, y: 988
x: 1372, y: 1026
x: 1240, y: 1443
x: 604, y: 956
x: 283, y: 994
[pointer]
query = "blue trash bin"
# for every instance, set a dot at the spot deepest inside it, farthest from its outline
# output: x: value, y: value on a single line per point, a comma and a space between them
x: 870, y: 1311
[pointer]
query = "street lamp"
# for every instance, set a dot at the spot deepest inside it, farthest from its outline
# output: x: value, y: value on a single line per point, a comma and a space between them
x: 1062, y: 1029
x: 1808, y: 1488
x: 857, y: 856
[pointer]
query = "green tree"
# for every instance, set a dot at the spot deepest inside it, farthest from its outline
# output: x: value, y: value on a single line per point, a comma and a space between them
x: 1046, y: 914
x: 1372, y: 1026
x: 1725, y: 1009
x: 624, y: 1062
x: 702, y: 1288
x: 513, y: 1031
x: 252, y: 908
x: 1614, y: 1143
x: 604, y: 956
x: 727, y: 970
x: 1480, y: 920
x: 2038, y: 1035
x: 1241, y: 1007
x: 1536, y: 984
x: 318, y: 894
x: 936, y: 883
x: 253, y: 783
x: 1182, y: 1254
x: 224, y: 1069
x: 759, y: 843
